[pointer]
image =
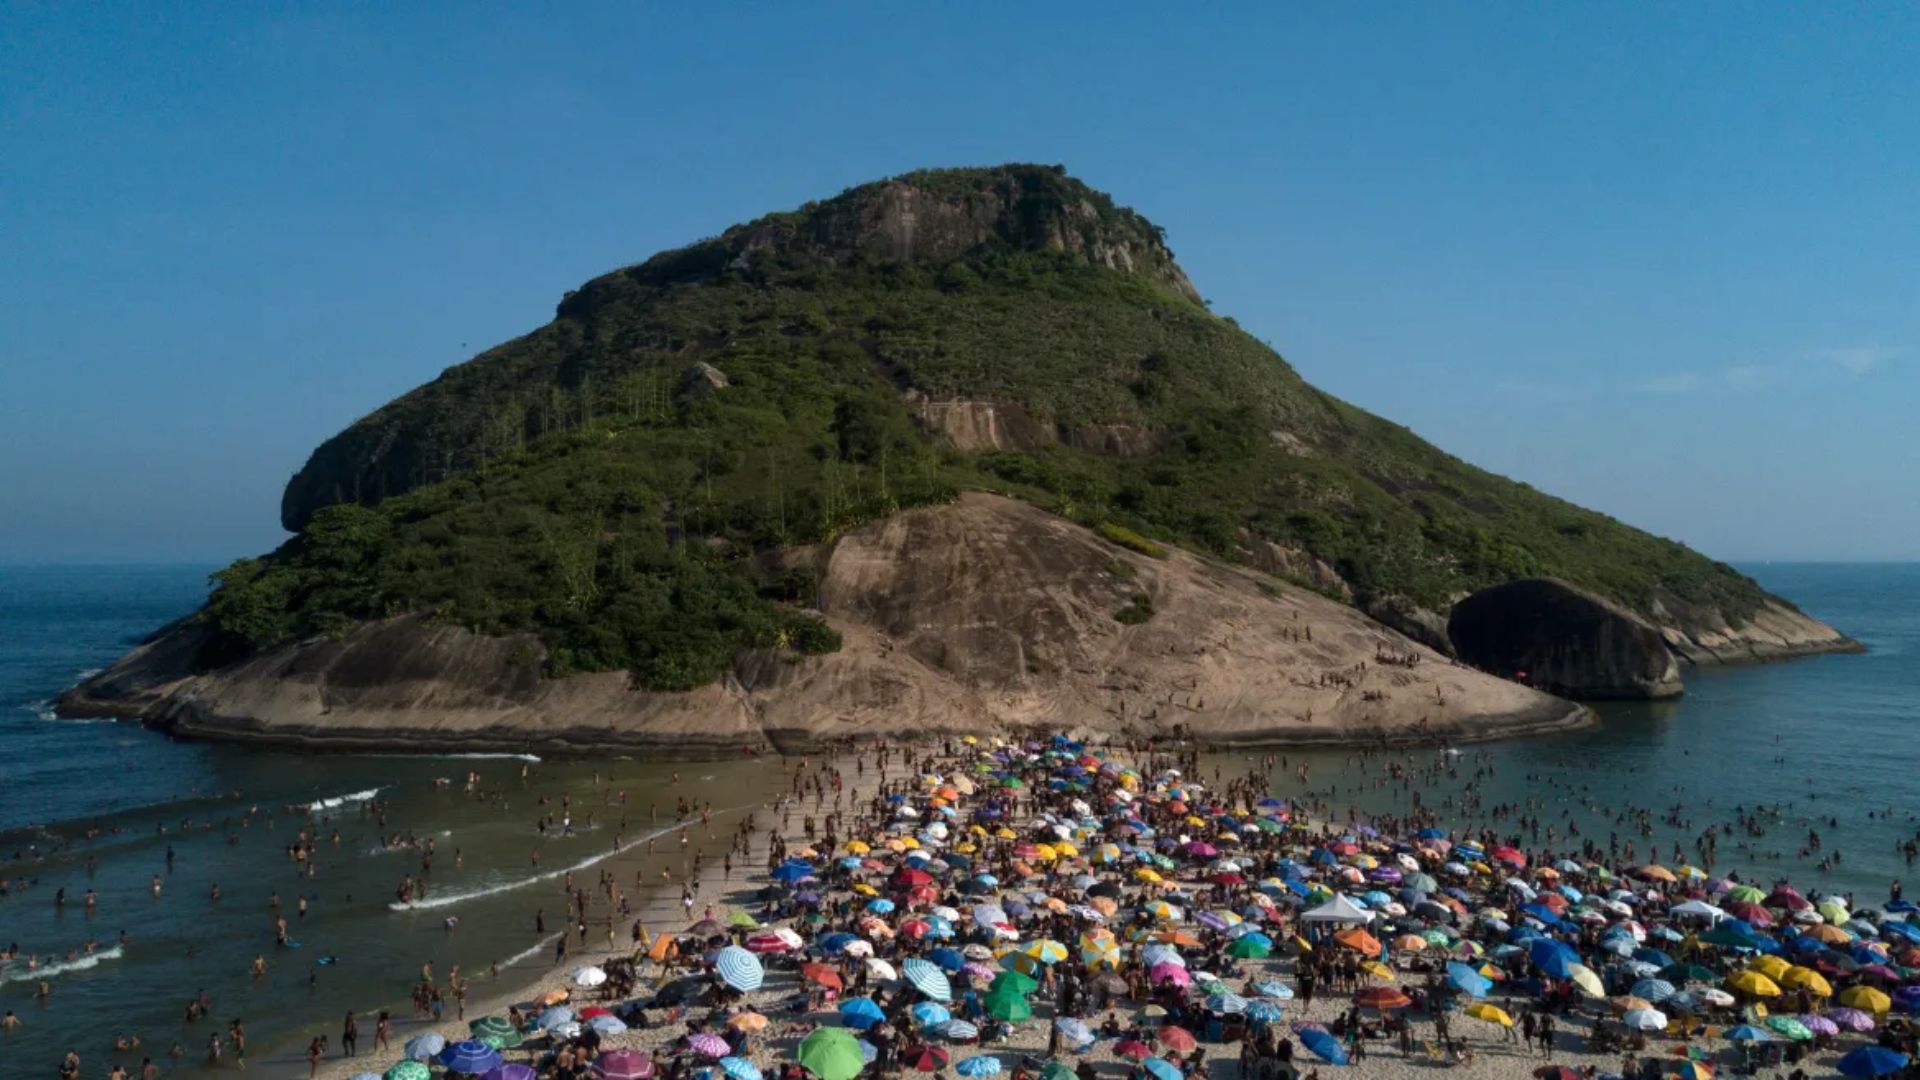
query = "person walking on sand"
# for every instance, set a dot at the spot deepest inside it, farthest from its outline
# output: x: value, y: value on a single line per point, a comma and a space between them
x: 349, y: 1035
x: 382, y: 1031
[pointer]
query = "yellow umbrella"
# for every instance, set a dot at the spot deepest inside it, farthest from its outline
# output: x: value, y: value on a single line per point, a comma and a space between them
x: 1626, y: 1003
x: 1833, y: 911
x: 1585, y: 980
x: 1867, y: 998
x: 1752, y: 982
x: 1656, y: 872
x: 1004, y: 833
x: 1378, y: 970
x: 858, y: 847
x: 865, y: 889
x: 1146, y: 874
x: 1045, y: 852
x: 1829, y: 934
x: 1410, y: 943
x: 1066, y: 850
x: 1492, y: 1014
x: 1772, y: 967
x: 1815, y: 983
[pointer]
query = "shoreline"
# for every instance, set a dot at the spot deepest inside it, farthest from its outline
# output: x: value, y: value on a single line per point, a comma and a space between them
x: 531, y: 972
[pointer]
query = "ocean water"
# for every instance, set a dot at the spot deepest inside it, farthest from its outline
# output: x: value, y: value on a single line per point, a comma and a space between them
x: 96, y: 805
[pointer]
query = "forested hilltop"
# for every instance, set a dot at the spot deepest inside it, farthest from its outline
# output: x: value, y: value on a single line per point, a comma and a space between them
x: 645, y: 482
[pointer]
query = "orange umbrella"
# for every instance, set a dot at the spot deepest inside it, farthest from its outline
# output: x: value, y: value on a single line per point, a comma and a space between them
x: 1178, y: 938
x: 664, y: 948
x: 1359, y: 941
x: 822, y: 974
x: 1381, y: 997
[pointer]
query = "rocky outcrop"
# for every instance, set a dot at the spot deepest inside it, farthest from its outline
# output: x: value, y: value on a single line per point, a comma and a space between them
x: 1549, y: 634
x: 1774, y: 632
x: 979, y: 426
x: 983, y: 615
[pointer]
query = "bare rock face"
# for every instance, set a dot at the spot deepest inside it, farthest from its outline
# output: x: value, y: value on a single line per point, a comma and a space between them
x: 703, y: 378
x: 986, y: 614
x: 1562, y: 639
x: 980, y: 426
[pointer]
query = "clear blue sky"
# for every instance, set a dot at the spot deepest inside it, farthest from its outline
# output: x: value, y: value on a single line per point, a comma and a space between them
x: 1661, y: 259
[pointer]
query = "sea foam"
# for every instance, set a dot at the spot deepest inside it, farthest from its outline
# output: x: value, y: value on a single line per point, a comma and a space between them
x: 17, y: 971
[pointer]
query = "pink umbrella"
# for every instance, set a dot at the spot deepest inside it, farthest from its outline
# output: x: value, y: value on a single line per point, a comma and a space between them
x: 1173, y: 973
x: 623, y: 1065
x: 712, y: 1046
x: 1820, y: 1025
x: 1851, y: 1019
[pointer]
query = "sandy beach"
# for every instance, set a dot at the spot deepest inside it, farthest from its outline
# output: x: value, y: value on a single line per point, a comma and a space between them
x: 1439, y: 1034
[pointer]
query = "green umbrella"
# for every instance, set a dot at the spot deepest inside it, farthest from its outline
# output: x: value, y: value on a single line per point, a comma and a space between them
x: 1013, y: 782
x: 1018, y: 983
x: 831, y: 1053
x: 1008, y: 1006
x: 1791, y: 1028
x: 739, y: 918
x: 1248, y: 948
x: 409, y: 1070
x: 496, y: 1031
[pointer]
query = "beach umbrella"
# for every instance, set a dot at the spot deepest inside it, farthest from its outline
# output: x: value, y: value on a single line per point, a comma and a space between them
x: 1466, y: 979
x: 1381, y: 997
x: 1791, y: 1028
x: 1481, y: 1010
x: 1227, y: 1004
x: 511, y: 1070
x: 1323, y: 1046
x: 364, y: 1076
x: 1851, y: 1019
x: 982, y: 1065
x: 1645, y: 1020
x: 1555, y: 1072
x: 924, y: 1058
x: 959, y: 1030
x: 739, y: 969
x: 409, y: 1070
x: 1654, y: 990
x: 1250, y: 946
x: 468, y: 1056
x: 1690, y: 1069
x: 1870, y: 1061
x: 589, y: 977
x: 929, y: 1014
x: 1161, y: 1069
x: 548, y: 1018
x: 708, y: 1045
x: 1132, y: 1048
x: 1867, y: 999
x: 1014, y: 982
x: 739, y: 1068
x: 860, y: 1013
x: 425, y: 1047
x: 831, y: 1053
x: 1008, y: 1006
x: 1749, y: 1033
x: 1177, y: 1038
x: 748, y: 1021
x: 1584, y: 980
x: 1263, y: 1012
x: 1076, y: 1031
x: 1753, y: 983
x: 607, y: 1024
x: 499, y: 1032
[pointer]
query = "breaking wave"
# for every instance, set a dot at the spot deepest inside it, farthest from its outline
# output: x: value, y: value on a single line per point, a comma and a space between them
x: 338, y: 801
x: 18, y: 972
x: 450, y: 899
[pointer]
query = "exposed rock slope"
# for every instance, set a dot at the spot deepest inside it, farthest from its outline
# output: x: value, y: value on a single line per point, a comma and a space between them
x: 982, y: 615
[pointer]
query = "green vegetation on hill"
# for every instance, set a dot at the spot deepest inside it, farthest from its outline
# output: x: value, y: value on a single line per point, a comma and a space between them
x: 583, y: 484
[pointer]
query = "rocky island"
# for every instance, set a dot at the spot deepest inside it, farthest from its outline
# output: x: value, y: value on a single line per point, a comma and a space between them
x: 961, y: 450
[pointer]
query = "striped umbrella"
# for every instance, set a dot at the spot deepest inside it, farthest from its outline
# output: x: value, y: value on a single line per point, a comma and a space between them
x: 959, y: 1030
x: 423, y: 1047
x: 739, y: 969
x: 712, y: 1046
x: 469, y: 1056
x: 926, y: 977
x: 409, y: 1070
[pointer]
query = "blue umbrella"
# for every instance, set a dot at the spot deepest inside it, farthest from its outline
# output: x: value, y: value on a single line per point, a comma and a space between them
x: 983, y: 1065
x: 880, y: 905
x: 1553, y: 957
x: 928, y: 1014
x: 739, y: 1068
x: 607, y: 1024
x: 1749, y: 1033
x: 926, y: 977
x: 469, y: 1056
x: 1869, y: 1061
x: 792, y: 871
x: 860, y: 1013
x: 959, y: 1030
x: 949, y: 959
x: 1654, y: 990
x: 422, y: 1047
x: 554, y: 1017
x: 1464, y: 978
x: 1263, y: 1012
x: 739, y: 969
x: 1324, y: 1046
x: 1161, y: 1069
x: 836, y: 942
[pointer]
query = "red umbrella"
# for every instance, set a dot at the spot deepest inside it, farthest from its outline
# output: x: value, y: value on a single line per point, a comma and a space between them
x: 1751, y: 912
x: 908, y: 877
x: 822, y: 974
x: 1133, y: 1048
x: 1505, y: 854
x: 1785, y: 896
x: 915, y: 928
x: 1555, y: 1072
x: 924, y: 1058
x: 592, y: 1011
x: 1178, y: 1038
x: 1381, y: 997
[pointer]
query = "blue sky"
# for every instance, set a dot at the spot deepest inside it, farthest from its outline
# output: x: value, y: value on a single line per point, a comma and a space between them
x: 1659, y: 259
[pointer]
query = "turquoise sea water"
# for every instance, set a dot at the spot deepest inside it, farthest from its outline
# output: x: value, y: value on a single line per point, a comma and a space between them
x: 1829, y: 736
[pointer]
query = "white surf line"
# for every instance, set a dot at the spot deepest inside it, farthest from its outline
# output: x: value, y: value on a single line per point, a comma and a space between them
x: 551, y: 875
x: 538, y: 947
x: 338, y: 801
x: 17, y: 972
